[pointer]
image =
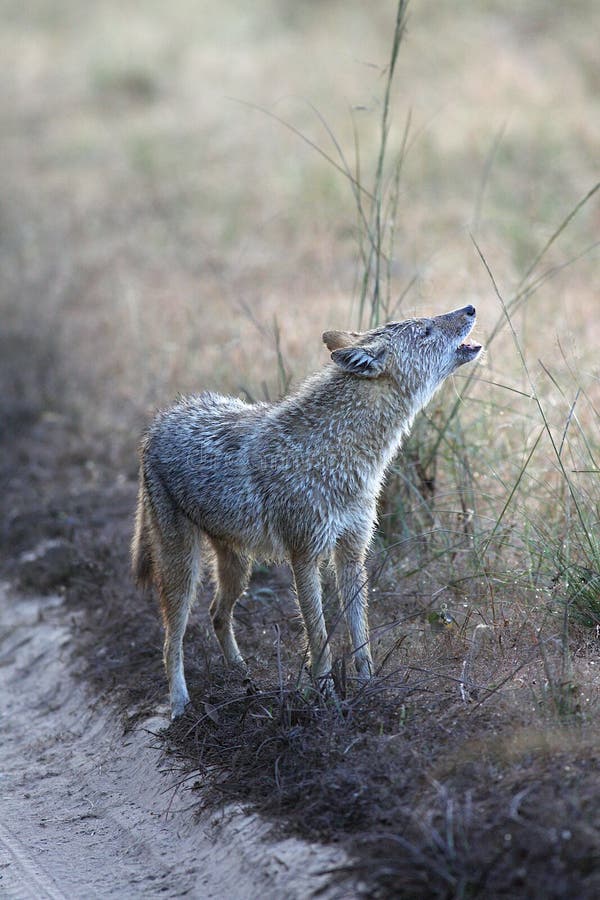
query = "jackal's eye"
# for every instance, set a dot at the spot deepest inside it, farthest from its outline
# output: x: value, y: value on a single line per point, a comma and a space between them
x: 428, y: 331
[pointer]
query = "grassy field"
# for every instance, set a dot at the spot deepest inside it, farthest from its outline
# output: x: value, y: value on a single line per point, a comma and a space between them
x: 179, y: 212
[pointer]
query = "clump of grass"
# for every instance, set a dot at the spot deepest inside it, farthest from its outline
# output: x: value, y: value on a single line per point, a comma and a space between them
x: 582, y: 586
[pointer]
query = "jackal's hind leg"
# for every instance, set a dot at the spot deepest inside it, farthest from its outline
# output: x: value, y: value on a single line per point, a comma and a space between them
x: 179, y: 571
x: 232, y: 574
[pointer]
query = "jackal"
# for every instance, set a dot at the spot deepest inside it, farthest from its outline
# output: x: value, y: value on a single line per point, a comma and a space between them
x: 228, y: 482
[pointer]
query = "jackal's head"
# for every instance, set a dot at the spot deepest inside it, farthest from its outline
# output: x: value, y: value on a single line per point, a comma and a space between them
x: 417, y: 355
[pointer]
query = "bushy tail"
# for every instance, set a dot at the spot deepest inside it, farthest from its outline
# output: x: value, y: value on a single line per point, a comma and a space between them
x: 141, y: 547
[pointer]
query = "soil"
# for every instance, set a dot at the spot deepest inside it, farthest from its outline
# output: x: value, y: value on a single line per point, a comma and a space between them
x: 89, y: 811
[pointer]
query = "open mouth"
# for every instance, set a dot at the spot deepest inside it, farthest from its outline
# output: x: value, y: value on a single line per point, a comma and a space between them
x: 466, y: 350
x: 470, y: 348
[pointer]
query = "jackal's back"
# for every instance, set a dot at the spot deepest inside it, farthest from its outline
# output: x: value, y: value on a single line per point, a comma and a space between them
x: 197, y: 452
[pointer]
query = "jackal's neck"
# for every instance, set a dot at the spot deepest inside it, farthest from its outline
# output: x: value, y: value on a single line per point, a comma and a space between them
x: 372, y: 409
x: 367, y: 417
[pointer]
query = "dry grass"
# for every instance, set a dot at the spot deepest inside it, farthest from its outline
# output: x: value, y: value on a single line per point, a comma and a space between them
x: 159, y: 236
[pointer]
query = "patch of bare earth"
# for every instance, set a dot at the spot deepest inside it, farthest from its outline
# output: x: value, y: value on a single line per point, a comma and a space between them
x: 86, y: 810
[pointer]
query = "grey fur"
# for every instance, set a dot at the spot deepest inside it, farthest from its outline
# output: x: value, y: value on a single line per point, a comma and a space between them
x: 296, y: 480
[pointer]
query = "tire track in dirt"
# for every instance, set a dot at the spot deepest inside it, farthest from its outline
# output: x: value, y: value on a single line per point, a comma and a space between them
x: 22, y: 878
x: 85, y: 811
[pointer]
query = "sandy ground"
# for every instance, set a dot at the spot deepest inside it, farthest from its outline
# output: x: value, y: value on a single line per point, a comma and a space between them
x: 89, y: 812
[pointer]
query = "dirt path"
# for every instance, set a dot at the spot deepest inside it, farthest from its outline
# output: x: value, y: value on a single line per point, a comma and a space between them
x: 85, y: 812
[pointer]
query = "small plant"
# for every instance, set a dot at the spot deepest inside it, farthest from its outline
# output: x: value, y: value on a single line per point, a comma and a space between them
x: 582, y: 587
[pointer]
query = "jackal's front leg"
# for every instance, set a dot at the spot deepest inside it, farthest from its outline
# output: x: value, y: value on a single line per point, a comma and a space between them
x: 352, y: 586
x: 308, y: 590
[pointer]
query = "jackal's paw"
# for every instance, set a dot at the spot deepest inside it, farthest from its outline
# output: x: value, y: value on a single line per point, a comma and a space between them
x: 238, y: 673
x: 237, y: 664
x: 326, y: 685
x: 250, y: 685
x: 179, y: 706
x: 364, y: 670
x: 321, y: 686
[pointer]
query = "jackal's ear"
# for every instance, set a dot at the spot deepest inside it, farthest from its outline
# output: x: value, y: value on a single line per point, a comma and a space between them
x: 335, y: 340
x: 367, y: 360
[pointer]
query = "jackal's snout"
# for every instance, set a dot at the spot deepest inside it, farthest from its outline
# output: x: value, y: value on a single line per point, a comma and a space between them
x: 462, y: 322
x: 464, y: 317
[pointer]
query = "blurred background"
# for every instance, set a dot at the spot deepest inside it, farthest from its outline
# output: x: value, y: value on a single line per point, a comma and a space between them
x: 177, y: 214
